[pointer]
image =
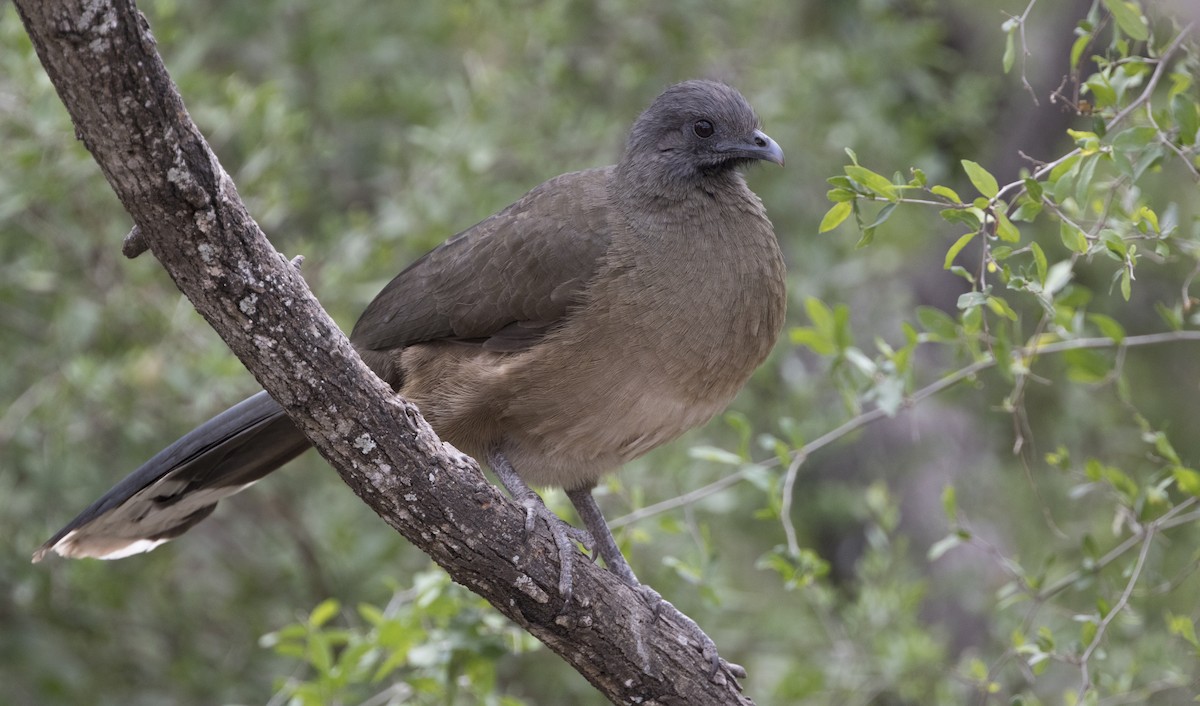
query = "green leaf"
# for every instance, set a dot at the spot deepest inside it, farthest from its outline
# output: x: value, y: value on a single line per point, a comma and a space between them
x: 1129, y: 18
x: 1010, y: 51
x: 882, y: 216
x: 1034, y: 187
x: 1134, y: 138
x: 1057, y: 277
x: 1083, y: 185
x: 325, y: 610
x: 876, y: 183
x: 835, y: 215
x: 937, y: 322
x: 1028, y: 211
x: 1086, y: 366
x: 981, y: 178
x: 1187, y: 480
x: 819, y: 313
x: 715, y: 455
x: 942, y: 546
x: 1183, y: 109
x: 946, y: 193
x: 1001, y: 308
x: 1108, y: 326
x: 950, y: 504
x: 1077, y: 48
x: 1072, y: 237
x: 1039, y: 261
x: 1184, y: 627
x: 1104, y: 95
x: 968, y: 217
x: 1005, y: 229
x: 1087, y: 632
x: 971, y: 300
x: 957, y: 248
x: 1171, y: 317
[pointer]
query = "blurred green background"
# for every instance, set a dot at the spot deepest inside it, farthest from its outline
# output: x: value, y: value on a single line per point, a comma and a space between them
x: 361, y: 134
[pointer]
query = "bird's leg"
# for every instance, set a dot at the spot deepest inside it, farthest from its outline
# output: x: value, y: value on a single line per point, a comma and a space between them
x: 562, y: 532
x: 606, y: 546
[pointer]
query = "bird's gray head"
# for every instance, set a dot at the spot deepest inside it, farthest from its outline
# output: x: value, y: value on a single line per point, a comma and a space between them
x: 695, y: 132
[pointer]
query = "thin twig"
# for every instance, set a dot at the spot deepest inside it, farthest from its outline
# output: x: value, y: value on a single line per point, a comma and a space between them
x: 789, y: 486
x: 1102, y: 627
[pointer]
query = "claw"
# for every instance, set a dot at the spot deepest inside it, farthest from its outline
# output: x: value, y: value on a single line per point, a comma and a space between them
x: 562, y: 532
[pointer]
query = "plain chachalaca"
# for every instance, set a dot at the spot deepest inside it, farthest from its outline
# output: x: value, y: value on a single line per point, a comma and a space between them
x: 603, y: 314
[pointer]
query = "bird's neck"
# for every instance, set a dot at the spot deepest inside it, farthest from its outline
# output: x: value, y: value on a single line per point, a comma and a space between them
x: 652, y: 185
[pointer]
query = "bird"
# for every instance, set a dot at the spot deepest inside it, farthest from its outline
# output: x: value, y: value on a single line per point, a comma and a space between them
x: 603, y: 314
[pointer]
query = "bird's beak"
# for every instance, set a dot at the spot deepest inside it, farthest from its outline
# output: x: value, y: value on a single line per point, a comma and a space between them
x: 758, y: 146
x: 763, y: 147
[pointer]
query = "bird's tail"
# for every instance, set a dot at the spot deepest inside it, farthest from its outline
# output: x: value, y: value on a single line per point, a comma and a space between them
x: 181, y: 484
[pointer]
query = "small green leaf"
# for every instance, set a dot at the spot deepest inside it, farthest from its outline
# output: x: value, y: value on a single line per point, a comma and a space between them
x: 937, y: 322
x: 1001, y: 308
x: 1005, y: 229
x: 1104, y: 95
x: 876, y: 183
x: 1077, y: 48
x: 1034, y: 187
x: 883, y: 215
x: 835, y: 215
x: 1129, y: 18
x: 1172, y: 317
x: 1187, y: 118
x: 1183, y: 626
x: 1108, y: 326
x: 981, y: 178
x: 1028, y: 211
x: 819, y: 313
x: 1039, y: 261
x: 1087, y: 632
x: 971, y: 300
x: 1057, y: 277
x: 1134, y: 138
x: 715, y: 455
x: 1086, y: 366
x: 968, y: 217
x: 957, y: 248
x: 1187, y: 480
x: 1010, y: 52
x: 946, y: 193
x: 942, y: 546
x: 325, y: 610
x: 1072, y: 237
x: 950, y: 504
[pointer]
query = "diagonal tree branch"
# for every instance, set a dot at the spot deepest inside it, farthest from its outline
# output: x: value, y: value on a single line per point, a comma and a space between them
x: 101, y: 57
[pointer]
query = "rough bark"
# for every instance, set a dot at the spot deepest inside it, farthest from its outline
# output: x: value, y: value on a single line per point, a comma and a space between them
x: 102, y: 60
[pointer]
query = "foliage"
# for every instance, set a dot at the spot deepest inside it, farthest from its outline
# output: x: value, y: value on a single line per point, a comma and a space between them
x: 967, y: 477
x: 429, y: 645
x: 1099, y: 206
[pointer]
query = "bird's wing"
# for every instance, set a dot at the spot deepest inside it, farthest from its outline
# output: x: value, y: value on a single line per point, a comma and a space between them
x: 504, y: 282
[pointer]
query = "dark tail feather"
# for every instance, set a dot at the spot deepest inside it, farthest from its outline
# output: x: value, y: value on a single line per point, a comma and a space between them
x: 181, y: 484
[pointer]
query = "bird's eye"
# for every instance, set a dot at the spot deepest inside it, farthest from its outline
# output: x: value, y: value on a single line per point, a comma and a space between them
x: 702, y: 128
